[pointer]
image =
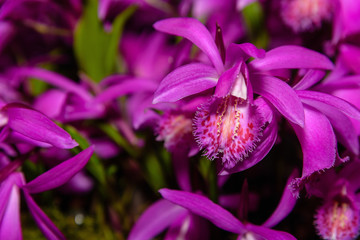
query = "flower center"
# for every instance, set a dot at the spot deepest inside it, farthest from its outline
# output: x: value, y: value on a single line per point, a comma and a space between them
x: 174, y: 129
x: 338, y: 219
x: 228, y: 128
x: 305, y: 15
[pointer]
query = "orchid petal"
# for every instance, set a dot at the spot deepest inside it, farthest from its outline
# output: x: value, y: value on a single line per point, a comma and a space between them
x: 312, y: 97
x: 53, y: 79
x: 185, y: 81
x: 20, y: 138
x: 340, y: 83
x: 77, y: 108
x: 342, y: 125
x: 60, y: 174
x: 190, y: 226
x: 141, y: 110
x: 37, y: 126
x: 204, y: 207
x: 196, y: 32
x: 309, y: 79
x: 317, y: 141
x: 281, y: 95
x: 7, y: 31
x: 51, y: 102
x: 156, y: 219
x: 285, y: 205
x: 10, y: 168
x: 241, y: 4
x: 267, y: 233
x: 10, y: 227
x: 46, y: 226
x: 237, y: 52
x: 6, y: 187
x: 292, y: 57
x: 181, y: 164
x: 104, y: 6
x: 179, y: 228
x: 126, y: 87
x: 350, y: 54
x: 227, y: 80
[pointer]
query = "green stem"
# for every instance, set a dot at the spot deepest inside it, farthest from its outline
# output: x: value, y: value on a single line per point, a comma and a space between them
x: 212, y: 179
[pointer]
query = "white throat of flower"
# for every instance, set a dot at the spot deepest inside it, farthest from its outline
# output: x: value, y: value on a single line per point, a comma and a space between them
x: 239, y: 88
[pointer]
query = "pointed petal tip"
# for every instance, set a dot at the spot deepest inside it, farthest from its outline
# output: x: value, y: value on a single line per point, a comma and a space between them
x: 301, y: 122
x: 71, y: 144
x: 163, y: 191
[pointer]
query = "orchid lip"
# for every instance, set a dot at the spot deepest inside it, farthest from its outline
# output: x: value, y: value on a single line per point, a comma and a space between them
x: 228, y: 128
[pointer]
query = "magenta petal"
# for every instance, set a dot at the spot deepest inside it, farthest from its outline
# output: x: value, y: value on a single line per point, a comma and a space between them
x: 285, y: 205
x: 7, y: 31
x: 317, y: 141
x: 6, y: 187
x: 181, y: 168
x: 342, y: 125
x: 10, y: 227
x: 37, y: 126
x: 175, y: 229
x: 268, y: 234
x: 226, y: 81
x: 190, y: 226
x: 241, y: 4
x: 292, y: 57
x: 20, y: 138
x: 156, y: 219
x: 51, y: 102
x: 309, y: 79
x: 126, y: 87
x: 185, y: 81
x: 60, y: 174
x: 46, y: 226
x: 281, y: 95
x: 5, y: 191
x: 312, y: 97
x: 350, y: 54
x: 197, y: 33
x: 104, y: 6
x: 236, y: 52
x: 52, y: 78
x: 339, y: 83
x: 204, y: 207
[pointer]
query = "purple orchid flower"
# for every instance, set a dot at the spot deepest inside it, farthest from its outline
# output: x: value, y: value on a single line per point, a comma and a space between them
x: 10, y: 227
x: 306, y: 15
x: 338, y: 216
x: 70, y: 101
x: 204, y: 207
x: 232, y: 125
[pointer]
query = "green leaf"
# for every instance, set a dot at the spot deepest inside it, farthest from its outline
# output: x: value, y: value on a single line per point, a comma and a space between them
x: 114, y: 134
x: 154, y: 173
x: 253, y: 15
x: 95, y: 49
x: 94, y: 165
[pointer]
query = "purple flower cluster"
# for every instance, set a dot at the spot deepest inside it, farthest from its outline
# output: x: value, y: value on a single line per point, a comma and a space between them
x: 148, y: 116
